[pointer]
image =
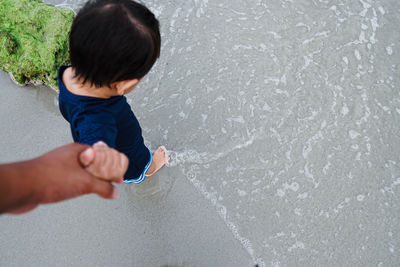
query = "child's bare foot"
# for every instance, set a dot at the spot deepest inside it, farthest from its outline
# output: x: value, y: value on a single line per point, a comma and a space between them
x: 160, y: 157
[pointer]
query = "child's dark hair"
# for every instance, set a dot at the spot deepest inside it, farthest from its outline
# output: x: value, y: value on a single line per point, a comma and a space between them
x: 113, y: 40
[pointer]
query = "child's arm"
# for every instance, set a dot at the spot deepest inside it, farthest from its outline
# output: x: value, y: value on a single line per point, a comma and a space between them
x: 100, y: 131
x: 108, y: 163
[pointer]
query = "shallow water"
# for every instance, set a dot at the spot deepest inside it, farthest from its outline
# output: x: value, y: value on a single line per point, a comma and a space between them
x: 284, y: 115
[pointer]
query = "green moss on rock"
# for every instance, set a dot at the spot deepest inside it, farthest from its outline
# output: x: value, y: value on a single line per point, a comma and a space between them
x: 33, y: 40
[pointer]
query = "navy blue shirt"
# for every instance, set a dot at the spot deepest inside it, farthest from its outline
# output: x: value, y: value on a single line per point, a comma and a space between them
x: 109, y: 120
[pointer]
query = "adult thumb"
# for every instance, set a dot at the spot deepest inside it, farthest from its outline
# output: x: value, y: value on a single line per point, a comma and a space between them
x: 105, y: 189
x: 86, y: 157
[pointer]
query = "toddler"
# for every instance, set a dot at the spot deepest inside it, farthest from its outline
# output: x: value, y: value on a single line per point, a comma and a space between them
x: 113, y: 45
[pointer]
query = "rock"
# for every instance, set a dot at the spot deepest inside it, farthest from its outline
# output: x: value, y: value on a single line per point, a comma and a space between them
x: 33, y: 40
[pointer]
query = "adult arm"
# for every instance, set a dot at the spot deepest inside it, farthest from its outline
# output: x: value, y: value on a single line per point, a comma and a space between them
x: 55, y: 176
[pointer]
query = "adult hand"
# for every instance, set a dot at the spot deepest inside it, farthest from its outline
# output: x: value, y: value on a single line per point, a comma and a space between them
x: 57, y: 175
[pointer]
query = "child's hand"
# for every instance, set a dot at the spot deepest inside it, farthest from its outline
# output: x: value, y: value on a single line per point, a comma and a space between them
x: 108, y: 163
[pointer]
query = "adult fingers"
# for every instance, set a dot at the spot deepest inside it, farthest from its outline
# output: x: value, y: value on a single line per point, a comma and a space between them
x: 87, y: 157
x: 104, y: 189
x: 23, y: 209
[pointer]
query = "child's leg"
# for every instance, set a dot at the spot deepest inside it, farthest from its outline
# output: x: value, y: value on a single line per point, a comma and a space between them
x: 160, y: 157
